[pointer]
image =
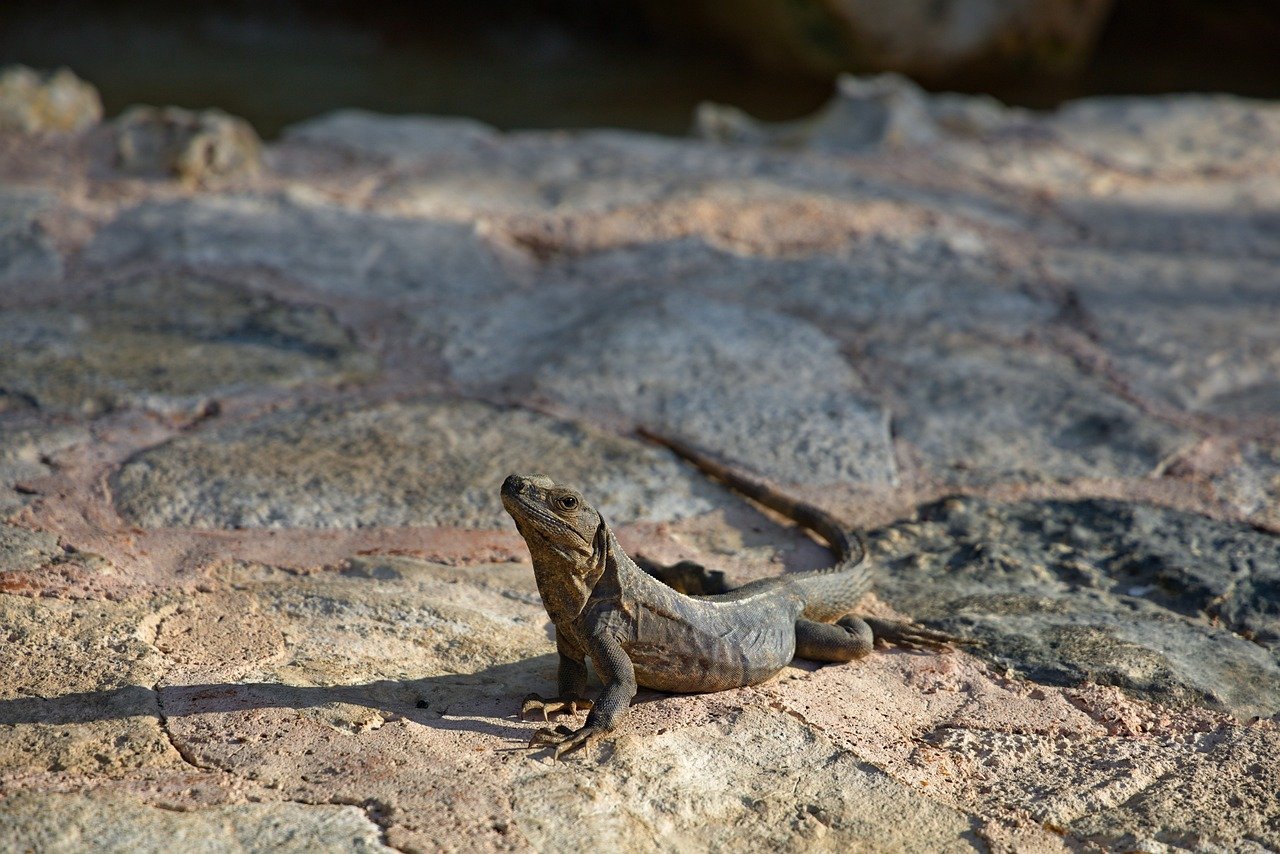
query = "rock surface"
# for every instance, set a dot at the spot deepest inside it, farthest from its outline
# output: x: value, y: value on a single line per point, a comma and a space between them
x: 36, y: 103
x: 427, y: 463
x: 168, y: 341
x: 256, y: 590
x: 199, y: 148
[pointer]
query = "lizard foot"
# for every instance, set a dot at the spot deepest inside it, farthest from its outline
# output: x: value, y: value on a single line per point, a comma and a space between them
x: 565, y: 740
x: 911, y: 636
x: 549, y: 706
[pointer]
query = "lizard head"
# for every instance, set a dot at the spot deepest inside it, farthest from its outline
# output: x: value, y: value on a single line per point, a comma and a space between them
x: 556, y: 522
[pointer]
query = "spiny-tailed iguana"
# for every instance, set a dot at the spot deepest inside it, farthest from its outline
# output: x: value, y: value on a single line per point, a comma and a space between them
x: 639, y: 631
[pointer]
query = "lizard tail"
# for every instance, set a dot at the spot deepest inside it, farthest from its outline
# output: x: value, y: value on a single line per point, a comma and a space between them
x: 828, y: 593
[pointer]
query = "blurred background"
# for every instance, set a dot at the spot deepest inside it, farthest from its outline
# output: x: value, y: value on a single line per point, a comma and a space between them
x: 641, y: 64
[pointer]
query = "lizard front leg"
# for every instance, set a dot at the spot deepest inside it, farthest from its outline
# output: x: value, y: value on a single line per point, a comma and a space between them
x: 619, y: 677
x: 572, y: 696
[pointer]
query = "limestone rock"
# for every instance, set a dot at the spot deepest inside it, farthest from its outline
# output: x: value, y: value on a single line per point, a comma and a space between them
x: 1101, y: 591
x: 1179, y: 807
x: 325, y: 247
x: 866, y: 114
x: 755, y: 385
x: 22, y: 549
x: 1172, y: 134
x: 239, y: 625
x: 94, y: 712
x: 168, y: 341
x: 119, y: 824
x: 26, y: 251
x: 847, y: 807
x: 36, y: 102
x: 1209, y: 335
x: 979, y: 412
x: 197, y: 147
x: 27, y: 442
x: 436, y: 462
x: 394, y: 139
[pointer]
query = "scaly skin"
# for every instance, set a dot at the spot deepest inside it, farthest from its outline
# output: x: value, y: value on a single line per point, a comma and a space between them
x: 638, y: 631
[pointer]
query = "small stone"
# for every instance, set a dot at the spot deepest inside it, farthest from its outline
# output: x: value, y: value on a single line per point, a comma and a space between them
x: 35, y: 102
x: 200, y: 148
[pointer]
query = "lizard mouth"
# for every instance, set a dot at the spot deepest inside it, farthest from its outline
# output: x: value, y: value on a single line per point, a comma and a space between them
x: 523, y: 498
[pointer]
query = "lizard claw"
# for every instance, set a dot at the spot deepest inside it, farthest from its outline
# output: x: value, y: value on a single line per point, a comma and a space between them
x: 913, y: 637
x: 565, y: 740
x: 549, y: 706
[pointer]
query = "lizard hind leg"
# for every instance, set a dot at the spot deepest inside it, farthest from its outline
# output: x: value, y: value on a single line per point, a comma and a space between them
x: 846, y: 640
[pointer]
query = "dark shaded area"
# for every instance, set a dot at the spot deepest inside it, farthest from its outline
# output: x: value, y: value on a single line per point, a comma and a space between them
x: 687, y: 577
x: 1155, y: 46
x: 551, y: 63
x: 513, y: 65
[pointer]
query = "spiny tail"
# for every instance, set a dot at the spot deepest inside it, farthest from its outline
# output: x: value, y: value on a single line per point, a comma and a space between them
x: 828, y: 593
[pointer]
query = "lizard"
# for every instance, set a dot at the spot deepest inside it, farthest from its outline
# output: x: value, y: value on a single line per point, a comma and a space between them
x: 640, y: 632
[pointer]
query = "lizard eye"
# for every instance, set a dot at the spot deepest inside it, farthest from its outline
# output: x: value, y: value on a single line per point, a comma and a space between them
x: 567, y: 502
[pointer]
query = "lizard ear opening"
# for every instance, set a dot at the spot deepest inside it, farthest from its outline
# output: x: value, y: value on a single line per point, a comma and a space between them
x: 600, y: 547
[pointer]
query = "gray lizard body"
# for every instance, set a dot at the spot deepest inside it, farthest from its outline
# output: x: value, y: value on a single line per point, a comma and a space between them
x: 638, y: 631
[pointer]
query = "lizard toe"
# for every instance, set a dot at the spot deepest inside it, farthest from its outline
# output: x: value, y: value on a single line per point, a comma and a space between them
x: 549, y: 706
x: 565, y: 740
x: 577, y: 740
x: 913, y: 637
x: 547, y: 737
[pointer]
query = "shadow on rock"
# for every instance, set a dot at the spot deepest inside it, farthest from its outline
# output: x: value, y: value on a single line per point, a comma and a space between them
x: 475, y: 702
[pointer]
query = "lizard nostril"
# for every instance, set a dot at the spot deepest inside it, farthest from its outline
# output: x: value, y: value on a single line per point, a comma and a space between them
x: 513, y: 485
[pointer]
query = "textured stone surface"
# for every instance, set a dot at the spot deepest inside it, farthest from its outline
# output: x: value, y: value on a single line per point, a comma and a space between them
x: 978, y: 411
x: 256, y: 589
x: 76, y: 697
x: 168, y: 341
x: 26, y: 252
x: 751, y: 755
x: 322, y: 246
x: 430, y: 463
x: 1209, y: 335
x: 1170, y: 605
x: 27, y: 442
x: 197, y: 147
x: 76, y: 823
x: 34, y: 102
x: 731, y: 378
x: 20, y: 548
x: 395, y: 139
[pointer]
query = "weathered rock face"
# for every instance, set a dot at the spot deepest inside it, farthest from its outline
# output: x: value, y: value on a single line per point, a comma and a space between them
x: 198, y: 148
x: 26, y: 252
x: 431, y: 463
x: 36, y: 103
x: 1100, y: 591
x: 168, y: 341
x: 325, y: 247
x: 710, y: 370
x: 75, y: 822
x: 256, y: 588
